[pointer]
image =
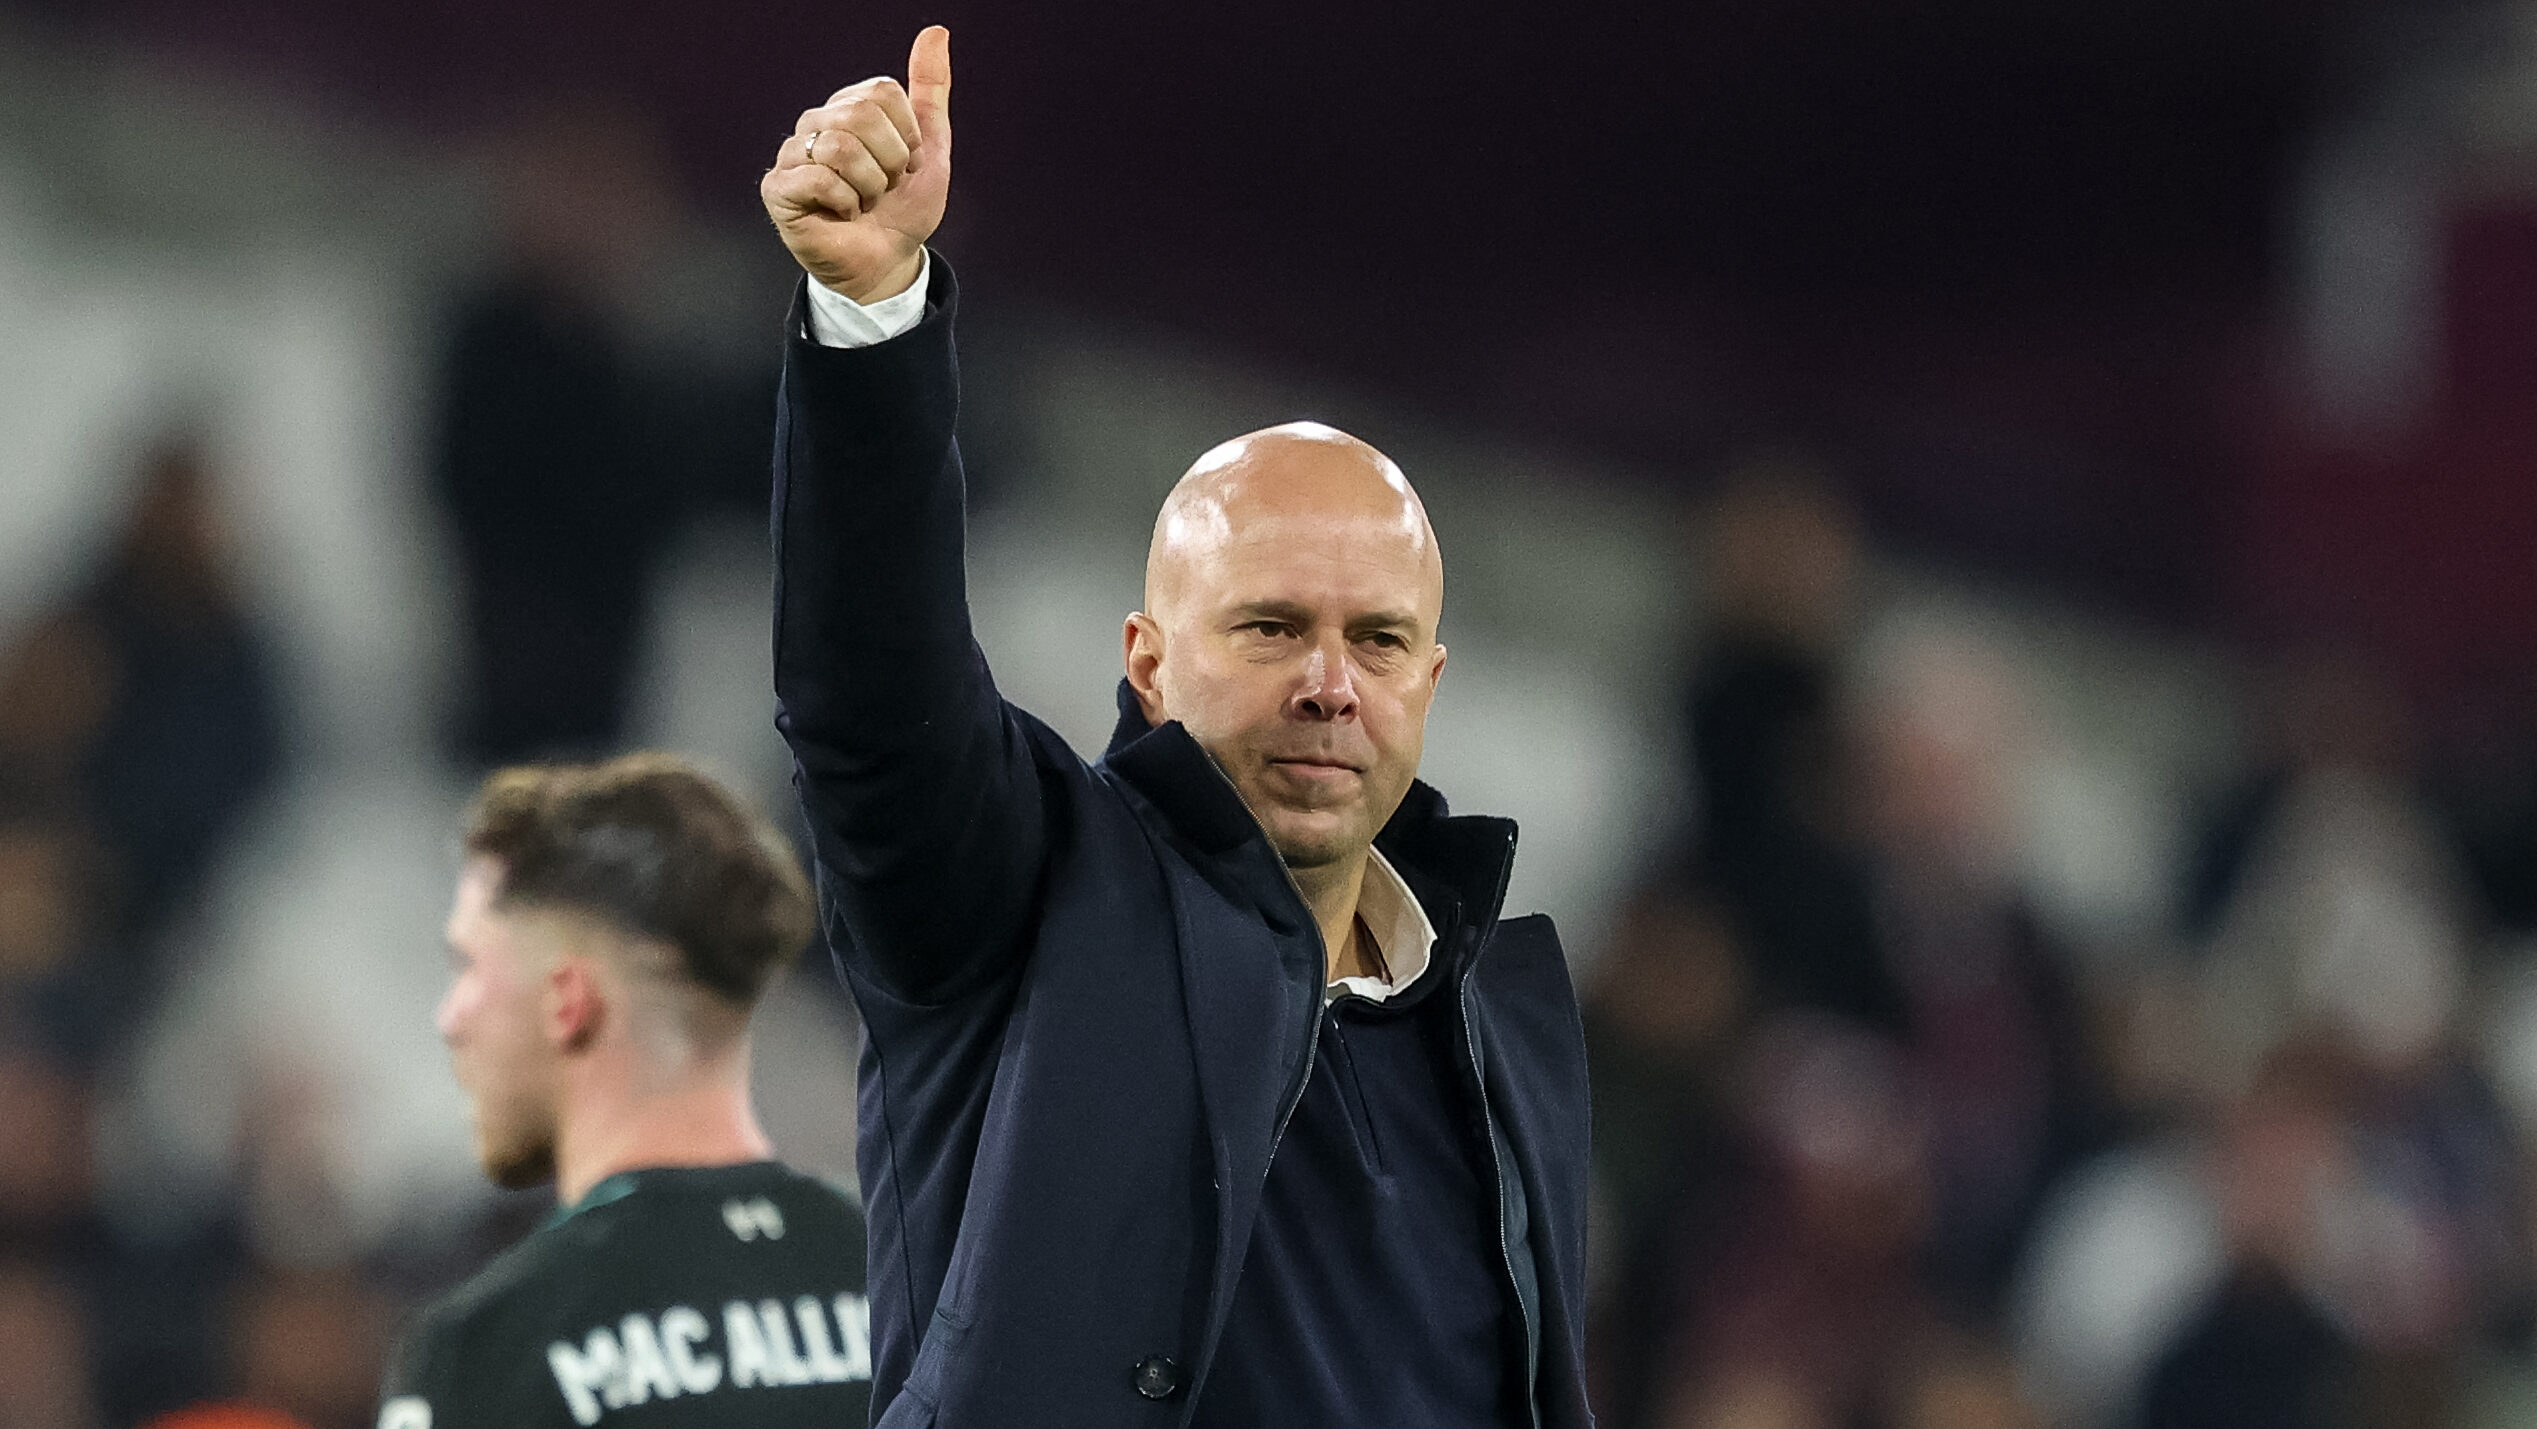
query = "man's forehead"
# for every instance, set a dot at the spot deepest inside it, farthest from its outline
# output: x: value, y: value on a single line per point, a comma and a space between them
x: 1317, y: 562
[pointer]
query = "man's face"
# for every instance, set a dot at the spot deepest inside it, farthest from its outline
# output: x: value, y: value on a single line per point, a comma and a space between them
x: 492, y: 1020
x: 1299, y: 649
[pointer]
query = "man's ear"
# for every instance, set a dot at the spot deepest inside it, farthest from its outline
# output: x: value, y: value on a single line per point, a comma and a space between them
x: 1143, y: 642
x: 576, y: 1004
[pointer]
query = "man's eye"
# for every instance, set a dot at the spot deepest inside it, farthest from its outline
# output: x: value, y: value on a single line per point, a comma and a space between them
x: 1387, y: 640
x: 1271, y: 627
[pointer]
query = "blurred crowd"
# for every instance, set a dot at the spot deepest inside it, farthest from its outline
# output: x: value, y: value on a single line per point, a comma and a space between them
x: 139, y: 726
x: 144, y: 730
x: 1879, y: 1145
x: 1882, y: 1141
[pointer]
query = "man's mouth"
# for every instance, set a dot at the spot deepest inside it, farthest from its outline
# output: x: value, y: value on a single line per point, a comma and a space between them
x: 1311, y: 763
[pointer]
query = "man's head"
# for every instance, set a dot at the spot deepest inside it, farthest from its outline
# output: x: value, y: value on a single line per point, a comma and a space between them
x: 629, y: 912
x: 1292, y: 595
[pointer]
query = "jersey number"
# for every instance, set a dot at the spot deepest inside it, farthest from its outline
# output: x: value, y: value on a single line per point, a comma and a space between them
x: 754, y: 1217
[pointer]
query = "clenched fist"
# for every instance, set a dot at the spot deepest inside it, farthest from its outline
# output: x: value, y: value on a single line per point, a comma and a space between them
x: 859, y: 186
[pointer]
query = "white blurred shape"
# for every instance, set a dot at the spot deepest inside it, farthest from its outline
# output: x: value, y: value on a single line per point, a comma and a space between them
x: 2122, y: 1254
x: 303, y: 1010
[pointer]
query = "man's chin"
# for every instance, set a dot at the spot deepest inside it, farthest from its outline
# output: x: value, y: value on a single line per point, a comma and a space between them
x: 1310, y: 841
x: 517, y: 1168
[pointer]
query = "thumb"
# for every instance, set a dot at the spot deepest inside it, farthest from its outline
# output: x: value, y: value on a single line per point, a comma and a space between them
x: 929, y: 84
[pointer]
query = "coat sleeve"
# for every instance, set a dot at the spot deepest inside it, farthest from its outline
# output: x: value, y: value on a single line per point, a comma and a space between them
x: 922, y: 792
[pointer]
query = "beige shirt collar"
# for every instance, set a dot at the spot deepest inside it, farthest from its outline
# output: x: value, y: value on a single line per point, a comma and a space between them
x: 1400, y: 929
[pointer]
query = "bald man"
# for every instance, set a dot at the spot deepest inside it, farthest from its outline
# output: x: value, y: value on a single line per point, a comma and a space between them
x: 1203, y: 1084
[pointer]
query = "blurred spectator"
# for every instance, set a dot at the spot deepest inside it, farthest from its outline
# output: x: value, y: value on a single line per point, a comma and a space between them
x: 1996, y: 1033
x: 45, y: 1361
x: 2354, y: 1220
x: 2261, y: 1351
x: 2350, y: 920
x: 143, y: 713
x: 55, y: 988
x: 567, y: 456
x: 1662, y: 1012
x: 2490, y: 795
x: 1802, y: 1310
x: 311, y: 1344
x: 303, y: 1351
x: 1854, y: 935
x: 47, y: 1179
x: 1960, y: 1383
x: 1782, y: 560
x: 2321, y: 714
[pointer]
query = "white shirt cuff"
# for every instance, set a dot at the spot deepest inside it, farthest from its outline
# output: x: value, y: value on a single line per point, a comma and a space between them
x: 839, y: 321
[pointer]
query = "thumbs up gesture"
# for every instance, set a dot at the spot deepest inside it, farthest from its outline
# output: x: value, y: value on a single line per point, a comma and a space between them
x: 860, y: 183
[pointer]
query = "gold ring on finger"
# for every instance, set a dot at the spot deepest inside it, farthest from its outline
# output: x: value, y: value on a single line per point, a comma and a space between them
x: 810, y: 146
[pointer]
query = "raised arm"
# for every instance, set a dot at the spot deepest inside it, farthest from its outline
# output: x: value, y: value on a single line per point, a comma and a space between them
x: 923, y: 796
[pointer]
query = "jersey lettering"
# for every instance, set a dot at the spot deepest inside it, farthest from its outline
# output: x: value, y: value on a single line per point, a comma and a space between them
x: 747, y: 1347
x: 854, y: 1327
x: 589, y: 1373
x: 647, y: 1357
x: 647, y: 1370
x: 789, y: 1368
x: 406, y: 1411
x: 682, y: 1329
x: 754, y: 1217
x: 826, y: 1365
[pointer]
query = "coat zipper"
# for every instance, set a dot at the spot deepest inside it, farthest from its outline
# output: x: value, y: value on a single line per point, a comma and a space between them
x: 1317, y: 1008
x: 1471, y: 1044
x: 1313, y: 994
x: 1497, y: 1165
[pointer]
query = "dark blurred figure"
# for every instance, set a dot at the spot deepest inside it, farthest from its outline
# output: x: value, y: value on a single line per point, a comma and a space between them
x: 1997, y: 1037
x: 2322, y: 715
x: 571, y: 448
x: 59, y: 1271
x: 1954, y: 1382
x: 55, y: 983
x: 1839, y: 1253
x: 47, y: 1180
x: 1782, y: 561
x: 138, y: 722
x: 2488, y: 791
x: 304, y: 1349
x: 1801, y: 1309
x: 1663, y: 1010
x: 44, y: 1351
x: 2262, y: 1353
x: 311, y: 1343
x: 143, y: 1315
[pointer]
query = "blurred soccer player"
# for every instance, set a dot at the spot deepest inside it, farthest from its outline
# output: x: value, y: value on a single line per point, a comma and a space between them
x: 614, y: 925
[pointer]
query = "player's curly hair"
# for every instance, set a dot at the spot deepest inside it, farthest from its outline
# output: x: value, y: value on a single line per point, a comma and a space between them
x: 647, y: 843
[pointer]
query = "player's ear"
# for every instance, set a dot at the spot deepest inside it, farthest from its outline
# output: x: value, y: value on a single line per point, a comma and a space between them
x: 1143, y: 640
x: 575, y: 1004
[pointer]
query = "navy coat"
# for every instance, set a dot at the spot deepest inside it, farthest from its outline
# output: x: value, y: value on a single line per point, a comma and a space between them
x: 1089, y: 992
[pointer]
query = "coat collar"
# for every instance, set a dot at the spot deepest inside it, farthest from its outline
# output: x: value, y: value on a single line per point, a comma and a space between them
x: 1457, y: 864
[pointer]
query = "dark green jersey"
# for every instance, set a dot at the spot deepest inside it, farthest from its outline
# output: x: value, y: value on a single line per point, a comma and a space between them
x: 673, y: 1297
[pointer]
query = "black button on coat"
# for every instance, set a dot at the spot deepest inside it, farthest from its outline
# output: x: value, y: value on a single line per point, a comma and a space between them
x: 1157, y: 1377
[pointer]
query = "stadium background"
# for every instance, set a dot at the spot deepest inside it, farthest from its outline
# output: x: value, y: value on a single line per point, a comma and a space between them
x: 1991, y: 555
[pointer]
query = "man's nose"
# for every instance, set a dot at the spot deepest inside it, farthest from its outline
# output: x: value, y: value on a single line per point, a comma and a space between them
x: 1328, y: 689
